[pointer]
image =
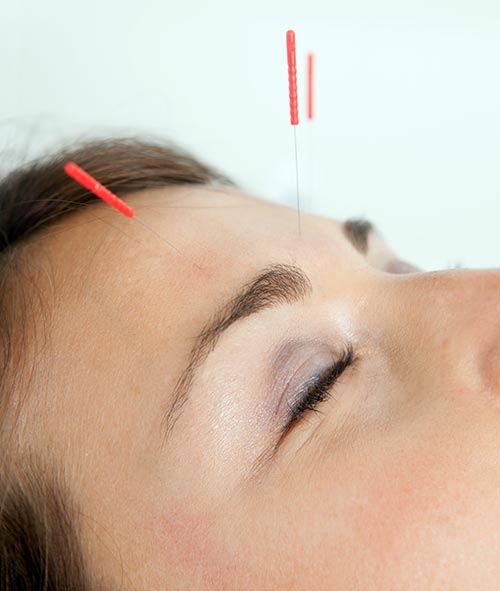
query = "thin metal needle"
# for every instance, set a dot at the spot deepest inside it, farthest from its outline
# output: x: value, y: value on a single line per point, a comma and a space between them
x: 87, y: 181
x: 147, y: 226
x: 311, y: 176
x: 297, y: 178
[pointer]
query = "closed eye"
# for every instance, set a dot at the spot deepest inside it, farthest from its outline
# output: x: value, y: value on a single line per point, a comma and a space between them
x: 317, y: 389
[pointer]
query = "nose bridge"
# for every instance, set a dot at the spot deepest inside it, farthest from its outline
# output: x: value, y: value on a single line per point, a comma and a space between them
x: 457, y: 301
x: 452, y: 323
x: 468, y: 291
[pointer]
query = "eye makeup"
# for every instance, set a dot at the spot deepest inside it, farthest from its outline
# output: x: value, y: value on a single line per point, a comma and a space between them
x: 304, y: 375
x: 317, y: 388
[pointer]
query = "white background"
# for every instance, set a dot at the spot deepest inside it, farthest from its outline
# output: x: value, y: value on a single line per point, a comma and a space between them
x: 407, y: 129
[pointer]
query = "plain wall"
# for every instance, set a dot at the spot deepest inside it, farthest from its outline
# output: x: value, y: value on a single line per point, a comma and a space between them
x: 407, y: 127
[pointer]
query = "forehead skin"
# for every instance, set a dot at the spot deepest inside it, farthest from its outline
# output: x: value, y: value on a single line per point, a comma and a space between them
x: 127, y: 306
x: 126, y: 310
x: 368, y: 508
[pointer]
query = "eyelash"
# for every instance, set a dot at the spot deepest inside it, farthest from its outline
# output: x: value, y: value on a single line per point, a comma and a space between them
x: 319, y: 388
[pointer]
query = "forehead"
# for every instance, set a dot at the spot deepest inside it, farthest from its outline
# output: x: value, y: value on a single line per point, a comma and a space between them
x: 221, y: 238
x: 199, y: 234
x: 127, y: 307
x: 112, y: 276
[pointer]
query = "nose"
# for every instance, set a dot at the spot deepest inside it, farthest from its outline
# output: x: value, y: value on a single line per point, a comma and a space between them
x: 452, y: 323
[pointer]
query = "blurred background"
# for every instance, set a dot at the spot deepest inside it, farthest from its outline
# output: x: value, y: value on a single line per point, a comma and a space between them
x: 407, y: 123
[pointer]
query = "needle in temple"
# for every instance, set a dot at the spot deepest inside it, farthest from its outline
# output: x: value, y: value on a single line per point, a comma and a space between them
x: 294, y: 108
x: 89, y: 182
x: 148, y: 227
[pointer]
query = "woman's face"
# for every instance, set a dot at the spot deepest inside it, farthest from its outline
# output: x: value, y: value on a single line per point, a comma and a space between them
x: 178, y: 393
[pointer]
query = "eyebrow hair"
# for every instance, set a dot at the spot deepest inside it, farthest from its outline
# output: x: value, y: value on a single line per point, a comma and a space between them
x: 275, y: 285
x: 278, y: 284
x: 358, y: 231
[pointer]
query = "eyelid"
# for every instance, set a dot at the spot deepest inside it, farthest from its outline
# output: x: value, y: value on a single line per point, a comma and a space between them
x: 295, y: 364
x: 278, y: 381
x: 319, y: 388
x: 301, y: 381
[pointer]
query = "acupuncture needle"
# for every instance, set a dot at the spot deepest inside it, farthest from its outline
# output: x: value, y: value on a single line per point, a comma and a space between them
x: 310, y: 114
x: 82, y: 177
x: 294, y: 107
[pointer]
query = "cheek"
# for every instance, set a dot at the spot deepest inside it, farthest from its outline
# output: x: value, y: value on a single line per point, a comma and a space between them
x: 403, y: 520
x: 395, y: 505
x: 195, y: 547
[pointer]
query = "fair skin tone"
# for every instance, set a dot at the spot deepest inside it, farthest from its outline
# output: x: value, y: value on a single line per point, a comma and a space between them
x: 393, y: 485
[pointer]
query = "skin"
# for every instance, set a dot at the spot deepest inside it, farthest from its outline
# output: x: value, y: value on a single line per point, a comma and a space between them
x: 393, y: 485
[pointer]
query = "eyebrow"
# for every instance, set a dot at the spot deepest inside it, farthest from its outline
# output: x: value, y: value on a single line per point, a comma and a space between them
x: 358, y: 232
x: 278, y: 284
x: 275, y: 285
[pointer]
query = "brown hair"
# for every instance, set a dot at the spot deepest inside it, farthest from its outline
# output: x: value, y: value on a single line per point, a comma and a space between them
x: 39, y: 545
